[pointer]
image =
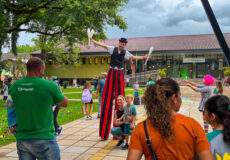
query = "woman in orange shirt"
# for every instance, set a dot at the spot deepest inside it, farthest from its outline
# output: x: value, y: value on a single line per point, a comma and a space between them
x: 173, y: 136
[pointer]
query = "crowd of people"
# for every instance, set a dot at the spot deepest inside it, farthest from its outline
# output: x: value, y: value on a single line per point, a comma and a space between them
x: 175, y: 136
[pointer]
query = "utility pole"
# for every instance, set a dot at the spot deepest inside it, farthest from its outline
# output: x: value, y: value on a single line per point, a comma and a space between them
x: 217, y: 30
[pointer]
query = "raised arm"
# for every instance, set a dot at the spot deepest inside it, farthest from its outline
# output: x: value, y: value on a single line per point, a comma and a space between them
x: 98, y: 43
x: 140, y: 57
x: 191, y: 86
x: 192, y: 83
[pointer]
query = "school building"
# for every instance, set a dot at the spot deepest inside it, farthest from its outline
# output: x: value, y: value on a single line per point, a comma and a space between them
x: 190, y: 55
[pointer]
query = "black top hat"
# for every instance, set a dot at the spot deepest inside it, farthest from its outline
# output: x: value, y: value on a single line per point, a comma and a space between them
x: 124, y: 40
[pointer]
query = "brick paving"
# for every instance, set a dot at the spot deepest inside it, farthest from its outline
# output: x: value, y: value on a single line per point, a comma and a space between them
x: 79, y: 139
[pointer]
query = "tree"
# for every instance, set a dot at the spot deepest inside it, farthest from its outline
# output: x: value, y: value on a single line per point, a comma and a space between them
x: 17, y: 67
x: 58, y: 19
x: 26, y: 49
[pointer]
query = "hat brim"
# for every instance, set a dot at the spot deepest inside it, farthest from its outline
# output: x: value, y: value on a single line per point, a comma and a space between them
x: 123, y: 41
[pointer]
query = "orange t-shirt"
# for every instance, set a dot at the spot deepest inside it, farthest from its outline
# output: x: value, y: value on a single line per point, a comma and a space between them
x: 189, y: 139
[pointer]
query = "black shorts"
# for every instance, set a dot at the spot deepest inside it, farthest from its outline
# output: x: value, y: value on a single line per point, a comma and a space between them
x: 91, y: 102
x: 5, y: 97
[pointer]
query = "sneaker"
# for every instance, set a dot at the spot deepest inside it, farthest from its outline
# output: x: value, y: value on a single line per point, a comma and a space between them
x: 86, y: 117
x: 60, y: 130
x: 126, y: 146
x: 119, y: 143
x: 90, y: 117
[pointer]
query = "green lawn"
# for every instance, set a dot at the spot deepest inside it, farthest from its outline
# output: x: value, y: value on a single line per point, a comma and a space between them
x: 141, y: 91
x: 74, y: 96
x: 78, y: 95
x: 5, y: 136
x: 71, y: 113
x: 72, y: 90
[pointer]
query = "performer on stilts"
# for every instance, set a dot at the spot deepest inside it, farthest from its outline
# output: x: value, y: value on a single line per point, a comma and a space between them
x: 114, y: 82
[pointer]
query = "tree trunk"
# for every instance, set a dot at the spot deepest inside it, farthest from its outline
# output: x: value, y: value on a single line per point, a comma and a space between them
x: 0, y: 51
x: 14, y: 35
x: 43, y: 40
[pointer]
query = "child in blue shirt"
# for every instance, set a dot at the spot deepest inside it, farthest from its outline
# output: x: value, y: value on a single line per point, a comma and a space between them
x: 11, y: 117
x: 129, y: 119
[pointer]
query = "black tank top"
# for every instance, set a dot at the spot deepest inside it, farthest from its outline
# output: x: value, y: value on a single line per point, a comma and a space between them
x: 117, y: 59
x: 119, y: 114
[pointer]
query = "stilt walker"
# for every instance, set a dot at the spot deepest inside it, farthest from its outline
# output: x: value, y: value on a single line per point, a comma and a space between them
x: 114, y: 82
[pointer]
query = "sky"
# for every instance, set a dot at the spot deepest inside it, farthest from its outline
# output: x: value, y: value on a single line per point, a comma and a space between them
x: 153, y: 18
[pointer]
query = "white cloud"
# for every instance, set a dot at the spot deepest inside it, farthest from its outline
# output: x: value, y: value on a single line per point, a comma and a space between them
x: 171, y: 17
x: 142, y: 28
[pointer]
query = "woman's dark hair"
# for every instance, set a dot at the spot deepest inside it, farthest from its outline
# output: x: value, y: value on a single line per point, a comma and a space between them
x: 159, y: 113
x: 219, y: 105
x: 219, y: 87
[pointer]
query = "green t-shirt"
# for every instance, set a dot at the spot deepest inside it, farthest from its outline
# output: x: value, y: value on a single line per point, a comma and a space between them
x: 33, y: 98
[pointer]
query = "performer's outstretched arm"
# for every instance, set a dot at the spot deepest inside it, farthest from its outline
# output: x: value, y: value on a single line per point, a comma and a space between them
x: 140, y: 57
x: 98, y: 43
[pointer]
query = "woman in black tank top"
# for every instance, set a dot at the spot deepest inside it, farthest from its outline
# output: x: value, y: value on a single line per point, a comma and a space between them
x: 118, y: 130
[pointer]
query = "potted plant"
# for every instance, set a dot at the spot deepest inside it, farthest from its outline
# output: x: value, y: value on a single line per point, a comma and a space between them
x: 227, y: 71
x: 65, y: 84
x: 162, y: 72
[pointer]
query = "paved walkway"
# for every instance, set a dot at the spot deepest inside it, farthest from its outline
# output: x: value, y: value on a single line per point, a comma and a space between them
x: 94, y: 100
x: 79, y: 139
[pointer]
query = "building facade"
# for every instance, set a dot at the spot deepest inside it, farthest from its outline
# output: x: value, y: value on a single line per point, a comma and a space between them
x: 190, y: 56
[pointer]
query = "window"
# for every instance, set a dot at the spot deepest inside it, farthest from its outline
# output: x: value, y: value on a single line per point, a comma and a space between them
x: 102, y: 60
x: 83, y: 60
x: 96, y: 60
x: 90, y: 60
x: 108, y: 60
x: 50, y: 61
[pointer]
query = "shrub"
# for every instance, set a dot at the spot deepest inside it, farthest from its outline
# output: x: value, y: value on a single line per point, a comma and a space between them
x: 65, y: 84
x: 162, y: 72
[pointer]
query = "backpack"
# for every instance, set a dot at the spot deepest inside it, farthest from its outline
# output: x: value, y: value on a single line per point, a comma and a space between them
x: 86, y: 96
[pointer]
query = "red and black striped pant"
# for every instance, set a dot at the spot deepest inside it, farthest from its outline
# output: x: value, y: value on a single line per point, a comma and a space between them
x: 114, y: 85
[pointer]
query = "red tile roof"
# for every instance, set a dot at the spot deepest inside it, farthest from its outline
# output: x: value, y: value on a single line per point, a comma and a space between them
x: 164, y: 43
x: 184, y: 42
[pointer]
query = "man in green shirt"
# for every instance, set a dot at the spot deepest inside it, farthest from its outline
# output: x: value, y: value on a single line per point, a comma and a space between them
x: 33, y: 98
